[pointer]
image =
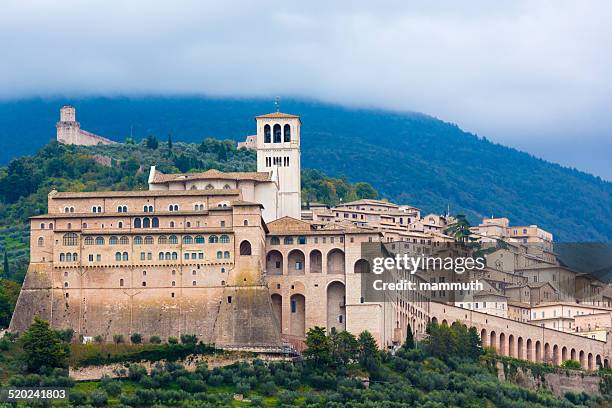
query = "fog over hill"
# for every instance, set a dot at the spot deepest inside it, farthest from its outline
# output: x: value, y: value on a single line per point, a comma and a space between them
x: 409, y: 157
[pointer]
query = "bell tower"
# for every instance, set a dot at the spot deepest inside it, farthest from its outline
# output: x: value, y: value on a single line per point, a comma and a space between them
x: 278, y: 151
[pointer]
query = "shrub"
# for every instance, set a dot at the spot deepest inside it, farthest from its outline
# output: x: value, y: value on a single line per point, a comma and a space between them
x: 155, y: 340
x: 136, y: 371
x: 77, y: 397
x: 172, y: 340
x: 136, y: 338
x: 118, y: 338
x: 98, y: 339
x: 65, y: 335
x: 571, y: 364
x: 112, y: 388
x: 98, y: 398
x: 189, y: 339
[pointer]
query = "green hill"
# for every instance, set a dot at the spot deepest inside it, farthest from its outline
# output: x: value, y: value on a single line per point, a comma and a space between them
x: 409, y: 158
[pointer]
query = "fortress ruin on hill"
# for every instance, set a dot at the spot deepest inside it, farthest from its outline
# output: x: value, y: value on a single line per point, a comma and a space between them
x: 234, y: 259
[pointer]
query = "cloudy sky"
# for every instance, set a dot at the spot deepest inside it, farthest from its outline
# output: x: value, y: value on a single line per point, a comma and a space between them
x: 532, y: 74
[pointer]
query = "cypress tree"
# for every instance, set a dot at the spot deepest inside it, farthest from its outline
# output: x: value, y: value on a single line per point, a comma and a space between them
x: 409, y: 344
x: 6, y: 265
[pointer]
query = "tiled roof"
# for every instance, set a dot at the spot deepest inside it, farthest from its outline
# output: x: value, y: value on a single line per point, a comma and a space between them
x: 211, y: 175
x: 143, y: 193
x: 277, y: 115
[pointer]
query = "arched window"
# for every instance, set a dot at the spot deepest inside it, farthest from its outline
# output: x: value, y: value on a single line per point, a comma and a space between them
x: 113, y: 240
x: 62, y: 257
x: 161, y: 256
x: 174, y: 256
x: 120, y: 224
x: 173, y: 283
x: 245, y: 248
x: 188, y: 224
x: 267, y: 134
x: 145, y: 208
x: 288, y: 241
x: 88, y: 241
x: 187, y: 239
x: 137, y: 223
x: 70, y: 239
x: 277, y: 133
x: 219, y: 254
x: 120, y: 209
x: 199, y: 239
x: 99, y: 240
x: 117, y: 256
x: 155, y: 222
x: 224, y: 239
x: 124, y: 240
x: 176, y: 207
x: 274, y: 241
x: 137, y: 240
x: 245, y: 223
x: 171, y: 224
x: 69, y: 225
x: 170, y: 207
x: 85, y: 225
x: 213, y: 239
x: 50, y: 225
x: 75, y: 256
x: 173, y: 239
x: 94, y: 209
x: 226, y: 254
x: 41, y: 241
x: 162, y: 239
x: 146, y: 222
x: 209, y: 187
x: 226, y: 187
x: 68, y: 257
x: 168, y: 255
x: 125, y: 256
x: 66, y: 209
x: 120, y: 282
x: 148, y: 240
x: 42, y: 226
x: 71, y: 209
x: 287, y: 133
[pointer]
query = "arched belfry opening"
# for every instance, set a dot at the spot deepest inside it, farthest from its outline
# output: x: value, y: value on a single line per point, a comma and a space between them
x: 286, y: 133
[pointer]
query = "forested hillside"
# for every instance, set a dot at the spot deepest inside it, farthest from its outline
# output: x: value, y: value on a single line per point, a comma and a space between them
x: 409, y: 158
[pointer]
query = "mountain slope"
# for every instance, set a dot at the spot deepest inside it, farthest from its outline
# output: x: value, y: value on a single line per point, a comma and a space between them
x: 409, y: 158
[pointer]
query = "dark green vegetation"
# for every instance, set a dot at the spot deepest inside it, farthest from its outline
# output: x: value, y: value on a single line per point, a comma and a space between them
x: 338, y: 370
x: 26, y: 182
x: 409, y: 158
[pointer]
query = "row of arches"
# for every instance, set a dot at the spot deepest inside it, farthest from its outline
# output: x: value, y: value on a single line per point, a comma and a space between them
x: 277, y: 134
x: 290, y: 311
x: 526, y: 348
x: 334, y: 262
x: 147, y: 240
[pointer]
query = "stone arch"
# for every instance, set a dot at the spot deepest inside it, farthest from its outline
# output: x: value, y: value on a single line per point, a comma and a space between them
x: 547, y: 355
x: 274, y: 263
x: 581, y: 359
x: 434, y: 320
x: 297, y: 321
x: 277, y: 133
x: 493, y: 340
x: 502, y: 344
x: 529, y: 350
x: 573, y: 354
x: 335, y: 262
x: 245, y: 248
x: 277, y: 307
x: 606, y: 363
x: 590, y: 361
x: 511, y: 352
x: 295, y: 262
x: 361, y: 266
x: 563, y: 354
x: 316, y: 261
x: 483, y: 337
x: 538, y: 351
x: 520, y: 353
x: 444, y: 322
x: 555, y: 355
x: 598, y: 363
x: 336, y: 306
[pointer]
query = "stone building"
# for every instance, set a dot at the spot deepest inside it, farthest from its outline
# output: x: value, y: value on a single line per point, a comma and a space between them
x: 69, y: 130
x: 227, y: 257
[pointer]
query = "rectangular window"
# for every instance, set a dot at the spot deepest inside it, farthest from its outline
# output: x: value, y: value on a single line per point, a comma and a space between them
x: 142, y: 256
x: 201, y: 255
x: 186, y: 256
x: 91, y: 258
x: 293, y: 306
x: 98, y: 257
x: 302, y: 240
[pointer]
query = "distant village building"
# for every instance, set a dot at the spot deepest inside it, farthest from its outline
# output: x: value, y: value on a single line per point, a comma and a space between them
x: 249, y: 143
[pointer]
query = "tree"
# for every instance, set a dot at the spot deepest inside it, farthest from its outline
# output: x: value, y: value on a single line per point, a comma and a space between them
x: 42, y: 347
x: 365, y: 190
x: 409, y: 344
x: 318, y: 347
x: 136, y: 338
x: 474, y: 348
x: 151, y: 142
x: 345, y: 348
x: 6, y: 267
x: 460, y: 229
x: 369, y: 358
x: 170, y: 142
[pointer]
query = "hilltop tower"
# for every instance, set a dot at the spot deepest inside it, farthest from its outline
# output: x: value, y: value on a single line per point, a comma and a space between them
x: 68, y: 128
x: 278, y: 151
